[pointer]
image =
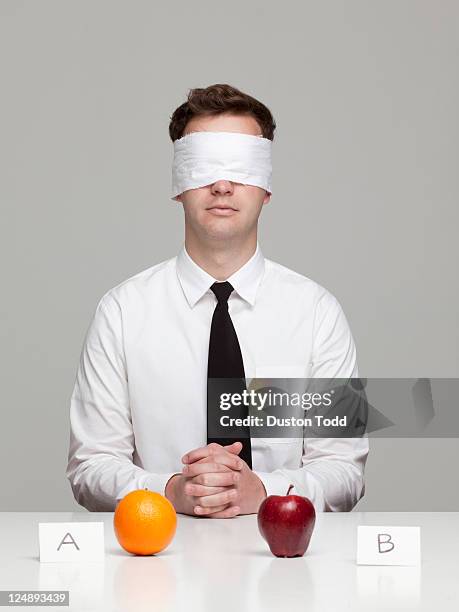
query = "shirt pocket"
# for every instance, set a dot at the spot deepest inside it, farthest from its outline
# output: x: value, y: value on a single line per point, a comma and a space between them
x: 279, y: 453
x: 282, y: 371
x: 269, y: 371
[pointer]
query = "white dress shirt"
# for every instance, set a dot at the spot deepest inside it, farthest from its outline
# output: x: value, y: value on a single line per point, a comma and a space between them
x: 140, y: 397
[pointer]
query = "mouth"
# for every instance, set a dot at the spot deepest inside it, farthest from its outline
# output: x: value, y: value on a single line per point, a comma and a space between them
x: 222, y: 210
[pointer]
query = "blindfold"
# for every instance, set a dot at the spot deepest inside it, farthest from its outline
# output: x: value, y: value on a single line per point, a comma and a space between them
x: 202, y: 158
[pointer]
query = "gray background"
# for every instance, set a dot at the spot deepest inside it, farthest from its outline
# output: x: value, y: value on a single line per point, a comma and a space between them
x: 365, y: 200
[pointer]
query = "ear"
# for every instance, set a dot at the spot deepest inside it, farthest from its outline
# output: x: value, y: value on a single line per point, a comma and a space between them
x: 267, y: 198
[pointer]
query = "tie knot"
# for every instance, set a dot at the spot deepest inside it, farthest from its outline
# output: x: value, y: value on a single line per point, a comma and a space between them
x: 222, y: 291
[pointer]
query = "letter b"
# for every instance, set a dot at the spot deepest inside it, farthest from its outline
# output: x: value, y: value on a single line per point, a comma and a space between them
x: 388, y: 542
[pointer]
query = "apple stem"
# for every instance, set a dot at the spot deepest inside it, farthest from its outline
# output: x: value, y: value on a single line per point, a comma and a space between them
x: 290, y: 488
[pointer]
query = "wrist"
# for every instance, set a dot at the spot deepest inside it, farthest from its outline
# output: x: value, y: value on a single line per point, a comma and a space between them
x: 170, y: 488
x: 260, y: 491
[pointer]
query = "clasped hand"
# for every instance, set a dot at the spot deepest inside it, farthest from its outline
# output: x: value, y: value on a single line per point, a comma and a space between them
x: 215, y: 482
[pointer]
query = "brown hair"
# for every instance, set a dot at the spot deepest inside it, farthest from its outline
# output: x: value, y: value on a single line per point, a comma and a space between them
x: 217, y: 99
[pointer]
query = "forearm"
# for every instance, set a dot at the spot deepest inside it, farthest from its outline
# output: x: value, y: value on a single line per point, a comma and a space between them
x: 334, y: 481
x: 331, y: 488
x: 101, y: 481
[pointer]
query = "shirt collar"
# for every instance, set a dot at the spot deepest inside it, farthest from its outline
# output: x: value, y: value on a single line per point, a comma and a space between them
x: 195, y: 281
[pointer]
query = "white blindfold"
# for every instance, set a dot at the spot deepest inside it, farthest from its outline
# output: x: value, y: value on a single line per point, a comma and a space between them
x: 202, y: 158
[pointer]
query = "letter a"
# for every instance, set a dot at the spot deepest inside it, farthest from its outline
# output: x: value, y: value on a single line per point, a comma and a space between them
x: 72, y: 541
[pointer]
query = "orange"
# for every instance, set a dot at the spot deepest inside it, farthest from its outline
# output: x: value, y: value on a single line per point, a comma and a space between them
x: 144, y: 522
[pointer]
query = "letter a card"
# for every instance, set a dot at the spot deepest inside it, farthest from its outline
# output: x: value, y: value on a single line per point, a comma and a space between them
x: 388, y: 545
x: 71, y: 542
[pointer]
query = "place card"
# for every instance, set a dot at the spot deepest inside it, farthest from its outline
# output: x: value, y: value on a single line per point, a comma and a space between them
x: 388, y: 545
x: 71, y: 542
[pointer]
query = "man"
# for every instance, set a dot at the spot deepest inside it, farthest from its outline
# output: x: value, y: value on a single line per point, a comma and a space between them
x: 139, y: 411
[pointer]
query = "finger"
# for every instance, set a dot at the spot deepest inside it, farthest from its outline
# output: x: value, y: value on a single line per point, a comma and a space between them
x: 196, y: 490
x: 229, y: 459
x: 208, y: 510
x: 200, y: 453
x: 211, y: 460
x: 226, y: 497
x: 230, y: 512
x: 235, y: 447
x: 201, y: 468
x: 216, y: 479
x: 205, y: 459
x: 219, y: 463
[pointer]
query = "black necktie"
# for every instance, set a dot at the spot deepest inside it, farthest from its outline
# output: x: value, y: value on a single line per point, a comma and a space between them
x: 225, y: 361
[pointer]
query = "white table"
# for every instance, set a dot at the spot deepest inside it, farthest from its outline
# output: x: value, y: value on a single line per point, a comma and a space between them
x: 225, y: 565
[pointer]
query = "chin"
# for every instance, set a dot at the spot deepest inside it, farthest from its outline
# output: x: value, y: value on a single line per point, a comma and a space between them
x: 221, y: 224
x: 219, y: 232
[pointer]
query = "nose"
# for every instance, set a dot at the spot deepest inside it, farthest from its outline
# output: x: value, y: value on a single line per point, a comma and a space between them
x: 222, y: 187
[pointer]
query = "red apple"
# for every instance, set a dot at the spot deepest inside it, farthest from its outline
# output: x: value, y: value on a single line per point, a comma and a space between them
x: 286, y: 522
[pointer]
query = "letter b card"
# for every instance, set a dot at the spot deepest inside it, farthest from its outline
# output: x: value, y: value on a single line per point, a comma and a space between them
x: 388, y: 545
